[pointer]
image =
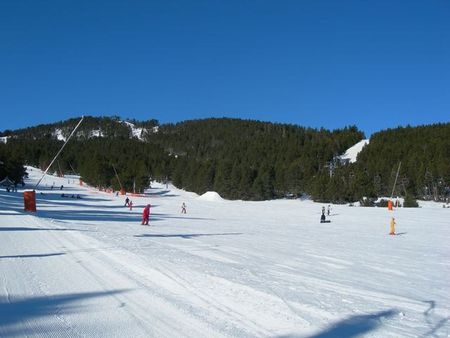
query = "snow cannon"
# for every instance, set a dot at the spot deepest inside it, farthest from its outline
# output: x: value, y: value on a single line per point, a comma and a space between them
x: 29, y: 200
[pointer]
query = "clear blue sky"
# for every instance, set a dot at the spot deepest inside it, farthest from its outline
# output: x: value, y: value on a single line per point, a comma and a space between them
x: 376, y: 64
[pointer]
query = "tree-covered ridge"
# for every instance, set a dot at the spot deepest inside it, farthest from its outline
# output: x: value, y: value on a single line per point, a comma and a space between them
x: 424, y: 153
x: 250, y: 159
x: 109, y: 127
x: 244, y: 159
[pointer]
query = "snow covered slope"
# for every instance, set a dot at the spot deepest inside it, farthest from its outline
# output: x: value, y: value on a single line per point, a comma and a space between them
x: 353, y: 151
x: 86, y: 267
x: 59, y: 135
x: 136, y: 132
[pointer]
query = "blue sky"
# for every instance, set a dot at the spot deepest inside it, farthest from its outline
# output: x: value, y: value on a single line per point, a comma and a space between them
x: 375, y: 64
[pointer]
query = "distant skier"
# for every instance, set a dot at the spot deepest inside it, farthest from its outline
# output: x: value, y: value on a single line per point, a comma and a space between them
x: 328, y: 210
x: 183, y: 208
x: 131, y: 205
x: 322, y: 217
x: 146, y: 215
x: 127, y: 202
x: 61, y: 188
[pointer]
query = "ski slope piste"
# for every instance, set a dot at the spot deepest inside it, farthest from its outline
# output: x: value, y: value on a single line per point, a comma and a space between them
x: 87, y: 267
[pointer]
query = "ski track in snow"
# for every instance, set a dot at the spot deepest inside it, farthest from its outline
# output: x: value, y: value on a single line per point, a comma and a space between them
x: 86, y: 267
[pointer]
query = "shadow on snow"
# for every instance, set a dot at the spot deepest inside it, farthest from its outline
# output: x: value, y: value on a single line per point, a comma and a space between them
x: 353, y: 326
x: 17, y: 313
x: 36, y: 229
x: 34, y: 255
x: 187, y: 236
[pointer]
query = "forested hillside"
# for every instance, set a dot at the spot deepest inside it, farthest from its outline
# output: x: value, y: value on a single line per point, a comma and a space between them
x: 424, y: 153
x: 250, y: 159
x: 242, y: 159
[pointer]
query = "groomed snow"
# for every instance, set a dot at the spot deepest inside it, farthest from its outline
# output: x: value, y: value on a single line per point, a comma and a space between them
x: 352, y: 152
x: 86, y: 267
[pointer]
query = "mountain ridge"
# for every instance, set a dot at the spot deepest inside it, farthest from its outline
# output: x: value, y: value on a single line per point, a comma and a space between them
x: 243, y: 159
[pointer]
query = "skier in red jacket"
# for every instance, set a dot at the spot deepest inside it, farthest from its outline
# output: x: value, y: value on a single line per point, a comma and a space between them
x: 146, y: 215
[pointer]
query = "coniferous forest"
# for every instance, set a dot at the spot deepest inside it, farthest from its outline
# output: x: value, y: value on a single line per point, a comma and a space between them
x: 240, y: 159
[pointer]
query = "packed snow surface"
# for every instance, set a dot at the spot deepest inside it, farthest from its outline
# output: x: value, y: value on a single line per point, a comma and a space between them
x: 211, y: 196
x: 352, y: 152
x: 87, y: 267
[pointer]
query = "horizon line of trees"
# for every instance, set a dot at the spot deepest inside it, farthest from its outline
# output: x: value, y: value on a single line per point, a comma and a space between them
x: 249, y: 160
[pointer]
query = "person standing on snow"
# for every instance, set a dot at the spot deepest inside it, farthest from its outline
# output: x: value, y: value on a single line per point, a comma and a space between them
x: 183, y: 208
x: 328, y: 210
x: 146, y: 215
x: 131, y: 205
x: 322, y: 218
x: 127, y: 202
x: 392, y: 227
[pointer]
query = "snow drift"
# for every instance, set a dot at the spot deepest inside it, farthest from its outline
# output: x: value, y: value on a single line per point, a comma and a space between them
x: 211, y: 196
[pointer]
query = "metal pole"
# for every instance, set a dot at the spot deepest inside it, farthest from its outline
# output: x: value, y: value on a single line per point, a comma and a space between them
x: 73, y: 170
x: 59, y: 152
x: 117, y: 176
x: 396, y: 176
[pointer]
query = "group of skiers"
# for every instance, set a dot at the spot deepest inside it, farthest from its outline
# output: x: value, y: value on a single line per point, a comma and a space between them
x: 328, y: 211
x: 146, y: 211
x: 129, y: 203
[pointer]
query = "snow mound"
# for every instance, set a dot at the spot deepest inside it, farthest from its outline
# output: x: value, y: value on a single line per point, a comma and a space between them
x: 210, y: 196
x: 353, y: 151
